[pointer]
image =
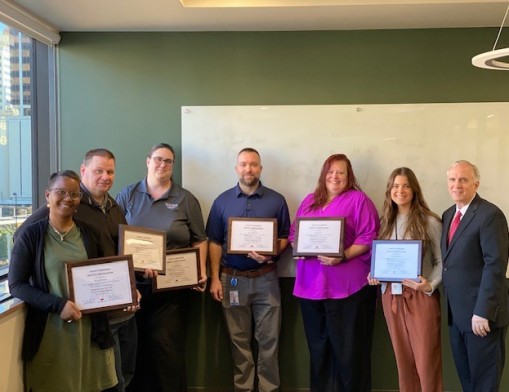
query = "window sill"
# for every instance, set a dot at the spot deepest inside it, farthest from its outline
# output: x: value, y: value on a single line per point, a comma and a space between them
x: 9, y: 306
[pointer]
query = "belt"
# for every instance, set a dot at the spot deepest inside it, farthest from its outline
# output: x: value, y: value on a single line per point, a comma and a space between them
x: 250, y: 273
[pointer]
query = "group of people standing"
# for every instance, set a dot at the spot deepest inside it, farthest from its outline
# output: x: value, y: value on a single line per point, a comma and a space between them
x: 143, y: 347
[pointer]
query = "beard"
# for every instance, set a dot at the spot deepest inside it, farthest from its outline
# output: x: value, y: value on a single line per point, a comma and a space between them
x: 249, y: 182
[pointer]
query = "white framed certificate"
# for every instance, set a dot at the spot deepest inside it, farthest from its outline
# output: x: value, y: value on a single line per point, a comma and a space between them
x: 148, y: 247
x: 102, y: 284
x: 252, y: 235
x: 319, y: 236
x: 396, y: 260
x: 182, y: 270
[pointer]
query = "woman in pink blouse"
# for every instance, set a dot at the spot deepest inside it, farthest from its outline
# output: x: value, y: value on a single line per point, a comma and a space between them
x: 337, y: 304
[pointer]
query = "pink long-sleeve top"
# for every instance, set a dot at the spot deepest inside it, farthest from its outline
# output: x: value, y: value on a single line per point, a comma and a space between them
x: 317, y: 281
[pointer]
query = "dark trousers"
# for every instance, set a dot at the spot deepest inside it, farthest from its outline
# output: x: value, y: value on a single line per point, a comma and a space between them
x: 126, y: 342
x: 160, y: 364
x: 479, y: 360
x: 339, y: 333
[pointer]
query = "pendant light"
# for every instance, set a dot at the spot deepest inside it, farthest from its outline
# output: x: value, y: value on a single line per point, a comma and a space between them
x: 493, y: 58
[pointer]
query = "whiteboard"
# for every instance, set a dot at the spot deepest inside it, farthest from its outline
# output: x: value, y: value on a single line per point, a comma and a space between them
x: 294, y: 141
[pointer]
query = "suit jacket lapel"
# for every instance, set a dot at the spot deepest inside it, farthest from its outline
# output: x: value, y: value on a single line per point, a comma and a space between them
x: 465, y: 221
x: 446, y: 224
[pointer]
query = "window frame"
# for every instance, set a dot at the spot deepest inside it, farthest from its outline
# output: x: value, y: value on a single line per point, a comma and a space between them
x: 44, y: 137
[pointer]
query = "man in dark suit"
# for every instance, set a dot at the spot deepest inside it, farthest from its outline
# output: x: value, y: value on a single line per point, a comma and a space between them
x: 475, y: 245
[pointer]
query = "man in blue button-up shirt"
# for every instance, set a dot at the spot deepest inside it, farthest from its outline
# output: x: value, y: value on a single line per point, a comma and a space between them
x: 247, y: 285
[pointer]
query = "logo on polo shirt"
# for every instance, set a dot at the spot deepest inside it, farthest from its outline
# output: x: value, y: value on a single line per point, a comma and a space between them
x: 171, y: 206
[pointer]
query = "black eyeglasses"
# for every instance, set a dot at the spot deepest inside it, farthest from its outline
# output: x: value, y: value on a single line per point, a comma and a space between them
x: 63, y: 193
x: 159, y: 160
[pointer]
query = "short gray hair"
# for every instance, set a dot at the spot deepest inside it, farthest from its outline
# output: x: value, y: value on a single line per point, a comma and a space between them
x: 477, y: 174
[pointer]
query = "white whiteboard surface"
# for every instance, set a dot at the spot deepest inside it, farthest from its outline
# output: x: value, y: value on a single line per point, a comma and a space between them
x: 294, y: 141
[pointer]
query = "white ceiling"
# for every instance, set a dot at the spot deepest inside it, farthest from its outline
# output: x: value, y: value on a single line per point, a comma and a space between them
x: 170, y: 15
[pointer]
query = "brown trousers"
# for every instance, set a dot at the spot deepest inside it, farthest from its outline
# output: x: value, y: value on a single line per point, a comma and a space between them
x: 413, y: 320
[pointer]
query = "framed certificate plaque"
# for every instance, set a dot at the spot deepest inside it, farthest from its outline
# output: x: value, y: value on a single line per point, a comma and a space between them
x: 182, y: 270
x: 102, y: 284
x: 319, y: 236
x: 396, y: 260
x: 147, y: 246
x: 252, y: 235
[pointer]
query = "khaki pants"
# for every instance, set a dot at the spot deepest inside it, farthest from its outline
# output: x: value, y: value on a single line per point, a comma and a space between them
x: 259, y: 301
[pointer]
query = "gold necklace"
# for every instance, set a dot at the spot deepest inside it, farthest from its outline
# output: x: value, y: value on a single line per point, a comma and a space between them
x: 62, y: 235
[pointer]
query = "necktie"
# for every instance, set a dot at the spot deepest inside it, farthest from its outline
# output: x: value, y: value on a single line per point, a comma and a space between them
x: 454, y: 225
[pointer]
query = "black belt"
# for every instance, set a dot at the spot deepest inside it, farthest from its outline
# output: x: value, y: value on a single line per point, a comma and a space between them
x: 250, y: 273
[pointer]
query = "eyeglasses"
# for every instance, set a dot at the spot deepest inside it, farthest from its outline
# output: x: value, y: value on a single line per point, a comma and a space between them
x: 63, y: 193
x: 159, y: 160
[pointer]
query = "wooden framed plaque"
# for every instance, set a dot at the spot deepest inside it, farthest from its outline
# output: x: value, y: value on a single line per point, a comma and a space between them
x: 148, y: 247
x: 182, y: 270
x: 396, y: 260
x: 102, y: 284
x: 319, y: 236
x: 252, y: 235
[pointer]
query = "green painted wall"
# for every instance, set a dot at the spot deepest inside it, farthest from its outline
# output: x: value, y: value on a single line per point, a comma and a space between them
x: 124, y: 91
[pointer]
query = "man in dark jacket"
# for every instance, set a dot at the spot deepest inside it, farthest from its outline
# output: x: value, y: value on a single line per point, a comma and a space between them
x: 474, y: 253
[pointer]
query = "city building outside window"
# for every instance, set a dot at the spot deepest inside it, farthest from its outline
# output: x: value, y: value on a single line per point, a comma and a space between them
x: 15, y: 140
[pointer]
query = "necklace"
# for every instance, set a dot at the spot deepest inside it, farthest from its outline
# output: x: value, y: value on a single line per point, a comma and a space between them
x: 63, y: 234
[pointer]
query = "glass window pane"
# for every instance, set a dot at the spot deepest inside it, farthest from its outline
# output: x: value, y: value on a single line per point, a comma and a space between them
x: 15, y: 138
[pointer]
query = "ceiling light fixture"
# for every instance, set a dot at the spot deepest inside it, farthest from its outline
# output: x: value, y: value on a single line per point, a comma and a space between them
x: 492, y: 59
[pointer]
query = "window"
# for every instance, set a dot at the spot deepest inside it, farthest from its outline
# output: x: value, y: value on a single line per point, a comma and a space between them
x: 28, y: 136
x: 15, y: 142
